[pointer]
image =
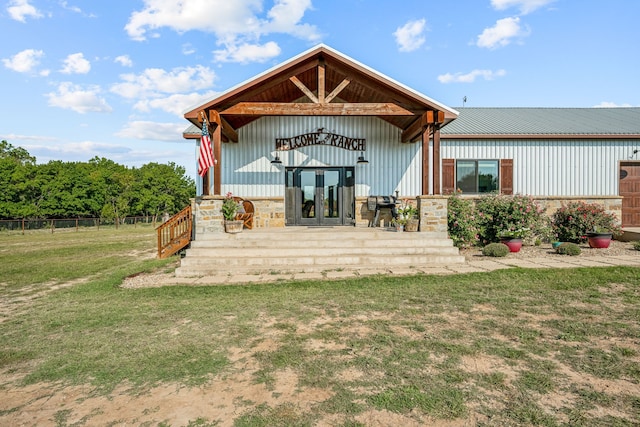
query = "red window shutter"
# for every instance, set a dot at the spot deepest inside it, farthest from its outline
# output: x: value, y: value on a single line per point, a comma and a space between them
x: 506, y: 176
x: 448, y: 176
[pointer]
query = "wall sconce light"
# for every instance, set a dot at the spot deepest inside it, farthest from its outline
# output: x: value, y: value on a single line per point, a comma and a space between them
x: 361, y: 159
x: 633, y: 154
x: 277, y: 160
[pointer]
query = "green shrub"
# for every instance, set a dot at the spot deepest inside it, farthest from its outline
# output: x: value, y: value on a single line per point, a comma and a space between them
x: 495, y: 250
x: 572, y: 222
x: 636, y: 245
x: 505, y: 214
x: 568, y: 248
x: 461, y: 221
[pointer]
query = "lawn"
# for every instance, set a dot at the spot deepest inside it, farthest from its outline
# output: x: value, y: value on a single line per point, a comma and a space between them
x: 511, y: 347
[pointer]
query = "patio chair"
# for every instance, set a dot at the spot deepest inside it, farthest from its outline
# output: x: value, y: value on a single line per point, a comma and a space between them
x: 245, y: 212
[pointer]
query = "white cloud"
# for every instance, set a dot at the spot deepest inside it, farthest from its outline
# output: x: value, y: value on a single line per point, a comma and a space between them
x: 238, y: 25
x: 65, y: 5
x: 152, y: 131
x: 471, y: 77
x: 188, y: 49
x: 20, y: 9
x: 175, y: 104
x: 25, y: 61
x: 81, y: 100
x: 410, y: 36
x: 246, y: 53
x: 285, y: 16
x: 607, y: 104
x: 525, y: 6
x: 216, y: 16
x: 76, y: 64
x: 153, y: 82
x: 124, y: 60
x: 16, y: 137
x: 501, y: 34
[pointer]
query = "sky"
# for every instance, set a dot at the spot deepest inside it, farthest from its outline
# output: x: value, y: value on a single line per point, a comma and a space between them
x: 86, y: 78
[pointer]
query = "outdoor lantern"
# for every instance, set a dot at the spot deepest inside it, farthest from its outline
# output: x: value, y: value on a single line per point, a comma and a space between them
x: 361, y: 159
x: 277, y: 160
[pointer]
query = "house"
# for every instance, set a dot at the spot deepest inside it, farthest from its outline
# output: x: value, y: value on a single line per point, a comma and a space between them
x: 311, y: 139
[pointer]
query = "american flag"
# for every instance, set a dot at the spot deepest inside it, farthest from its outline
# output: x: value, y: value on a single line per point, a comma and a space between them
x: 205, y: 157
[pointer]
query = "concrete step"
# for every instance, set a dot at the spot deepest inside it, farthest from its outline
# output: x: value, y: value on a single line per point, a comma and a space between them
x: 336, y: 242
x: 302, y: 250
x: 335, y: 251
x: 206, y: 267
x: 354, y: 259
x: 208, y: 271
x: 290, y: 233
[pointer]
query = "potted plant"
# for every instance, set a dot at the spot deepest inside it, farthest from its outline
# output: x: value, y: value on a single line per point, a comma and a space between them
x: 513, y: 238
x: 599, y: 238
x: 579, y: 221
x: 229, y: 211
x: 399, y: 223
x: 409, y: 213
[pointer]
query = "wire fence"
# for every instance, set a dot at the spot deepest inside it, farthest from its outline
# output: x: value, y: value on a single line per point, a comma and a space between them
x: 73, y: 224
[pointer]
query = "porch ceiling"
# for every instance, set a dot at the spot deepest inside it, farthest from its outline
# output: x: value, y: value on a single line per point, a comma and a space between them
x: 332, y: 84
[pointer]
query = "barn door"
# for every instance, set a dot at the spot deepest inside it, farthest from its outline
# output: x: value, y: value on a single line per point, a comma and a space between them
x: 630, y: 192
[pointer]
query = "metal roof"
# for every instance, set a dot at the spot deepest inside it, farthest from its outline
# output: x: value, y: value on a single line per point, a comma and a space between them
x: 544, y: 122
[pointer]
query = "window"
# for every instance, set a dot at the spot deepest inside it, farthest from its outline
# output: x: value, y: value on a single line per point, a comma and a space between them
x: 477, y: 176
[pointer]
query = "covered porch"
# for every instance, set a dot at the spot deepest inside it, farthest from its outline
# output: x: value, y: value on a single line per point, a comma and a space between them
x: 324, y: 129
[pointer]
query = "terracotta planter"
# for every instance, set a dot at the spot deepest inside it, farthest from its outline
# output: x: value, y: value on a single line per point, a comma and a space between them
x: 233, y: 226
x: 514, y: 244
x: 412, y: 225
x: 599, y: 240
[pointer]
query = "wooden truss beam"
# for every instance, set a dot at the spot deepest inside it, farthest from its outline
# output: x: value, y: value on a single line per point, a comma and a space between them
x: 227, y: 129
x: 300, y: 109
x: 337, y: 90
x: 416, y: 128
x: 304, y: 89
x: 321, y: 82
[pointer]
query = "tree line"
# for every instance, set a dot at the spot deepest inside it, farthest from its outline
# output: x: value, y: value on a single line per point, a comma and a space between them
x: 99, y: 188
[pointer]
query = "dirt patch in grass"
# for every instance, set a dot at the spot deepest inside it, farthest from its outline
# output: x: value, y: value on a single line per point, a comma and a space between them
x: 490, y: 381
x: 518, y: 348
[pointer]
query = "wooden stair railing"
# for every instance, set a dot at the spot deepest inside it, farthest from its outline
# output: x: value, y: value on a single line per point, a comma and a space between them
x: 175, y: 234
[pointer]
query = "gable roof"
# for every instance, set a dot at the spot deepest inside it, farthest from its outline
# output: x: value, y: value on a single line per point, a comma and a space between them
x: 584, y: 123
x: 352, y: 82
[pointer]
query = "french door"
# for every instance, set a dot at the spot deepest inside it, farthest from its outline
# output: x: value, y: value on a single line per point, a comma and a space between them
x: 320, y: 196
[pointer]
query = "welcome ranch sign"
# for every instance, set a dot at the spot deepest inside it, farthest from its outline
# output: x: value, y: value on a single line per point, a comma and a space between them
x: 321, y: 137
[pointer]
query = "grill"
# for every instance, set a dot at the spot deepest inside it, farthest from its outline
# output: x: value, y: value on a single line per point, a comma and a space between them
x: 376, y: 203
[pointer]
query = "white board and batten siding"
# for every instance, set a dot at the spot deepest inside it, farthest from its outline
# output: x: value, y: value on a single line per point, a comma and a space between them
x: 568, y: 167
x: 248, y: 172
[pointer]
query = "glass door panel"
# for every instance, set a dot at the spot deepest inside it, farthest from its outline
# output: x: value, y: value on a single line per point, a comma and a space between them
x: 331, y: 187
x: 307, y: 179
x: 316, y: 196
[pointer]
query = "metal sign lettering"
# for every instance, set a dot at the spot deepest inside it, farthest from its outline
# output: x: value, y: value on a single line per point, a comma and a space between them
x: 321, y: 137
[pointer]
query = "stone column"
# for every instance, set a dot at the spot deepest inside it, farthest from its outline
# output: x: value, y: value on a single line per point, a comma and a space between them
x: 433, y: 214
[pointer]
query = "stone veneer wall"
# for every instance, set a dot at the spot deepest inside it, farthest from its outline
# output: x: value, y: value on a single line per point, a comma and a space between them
x: 612, y: 204
x: 269, y: 212
x: 207, y: 213
x: 433, y: 213
x: 550, y: 204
